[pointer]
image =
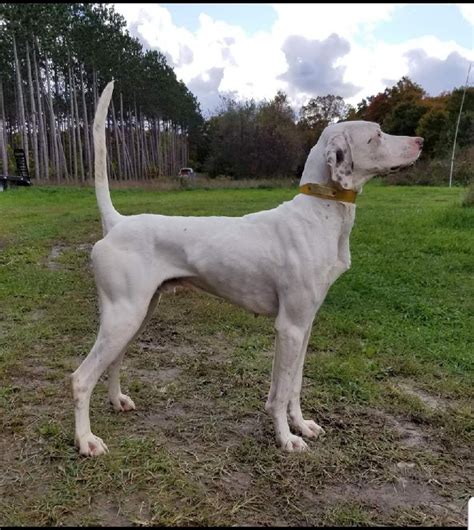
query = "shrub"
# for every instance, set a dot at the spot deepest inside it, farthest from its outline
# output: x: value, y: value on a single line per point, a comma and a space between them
x: 435, y: 172
x: 469, y: 197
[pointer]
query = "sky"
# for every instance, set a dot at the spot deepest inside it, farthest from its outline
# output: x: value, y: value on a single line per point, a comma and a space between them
x: 251, y: 51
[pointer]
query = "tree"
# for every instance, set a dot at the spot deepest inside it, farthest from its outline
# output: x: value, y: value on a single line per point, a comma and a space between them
x: 379, y: 108
x: 433, y: 127
x: 322, y: 110
x: 404, y: 118
x: 54, y: 60
x: 277, y: 138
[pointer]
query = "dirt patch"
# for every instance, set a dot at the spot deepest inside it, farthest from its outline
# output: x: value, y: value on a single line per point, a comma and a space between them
x: 236, y: 482
x: 159, y: 376
x: 59, y: 249
x: 432, y: 402
x: 56, y: 251
x: 37, y: 314
x: 410, y: 434
x: 402, y: 493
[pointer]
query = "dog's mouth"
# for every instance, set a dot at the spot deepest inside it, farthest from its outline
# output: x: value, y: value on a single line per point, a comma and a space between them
x: 395, y: 169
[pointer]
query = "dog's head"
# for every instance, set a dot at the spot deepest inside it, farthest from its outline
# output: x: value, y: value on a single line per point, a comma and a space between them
x: 356, y: 151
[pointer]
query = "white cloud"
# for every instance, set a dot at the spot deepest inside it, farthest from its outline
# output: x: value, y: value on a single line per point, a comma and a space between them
x: 467, y: 11
x: 318, y: 21
x: 257, y: 66
x: 371, y: 66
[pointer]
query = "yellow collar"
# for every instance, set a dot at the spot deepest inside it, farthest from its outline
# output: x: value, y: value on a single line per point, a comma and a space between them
x: 325, y: 192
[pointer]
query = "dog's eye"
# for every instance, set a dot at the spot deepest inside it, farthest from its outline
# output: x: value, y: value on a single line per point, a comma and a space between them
x: 379, y: 134
x: 339, y: 156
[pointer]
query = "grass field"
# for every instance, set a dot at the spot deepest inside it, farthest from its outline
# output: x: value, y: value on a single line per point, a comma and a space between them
x: 389, y: 374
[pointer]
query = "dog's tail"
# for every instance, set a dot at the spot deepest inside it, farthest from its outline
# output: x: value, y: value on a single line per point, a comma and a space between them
x: 108, y: 213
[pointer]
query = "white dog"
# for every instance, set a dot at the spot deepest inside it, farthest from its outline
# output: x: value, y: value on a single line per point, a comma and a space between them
x: 279, y: 263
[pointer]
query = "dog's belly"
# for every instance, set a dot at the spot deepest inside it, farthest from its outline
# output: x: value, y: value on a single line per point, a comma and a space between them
x: 263, y: 303
x: 260, y: 302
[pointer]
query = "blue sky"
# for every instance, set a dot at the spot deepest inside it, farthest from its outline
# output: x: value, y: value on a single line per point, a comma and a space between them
x: 252, y: 17
x: 352, y: 50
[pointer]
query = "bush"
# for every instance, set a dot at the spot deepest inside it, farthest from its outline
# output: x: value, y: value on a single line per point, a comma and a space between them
x: 435, y: 172
x: 469, y: 197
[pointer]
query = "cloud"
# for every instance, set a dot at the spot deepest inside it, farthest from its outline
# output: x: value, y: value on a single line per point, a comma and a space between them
x: 206, y: 88
x: 311, y: 66
x: 311, y: 49
x: 378, y: 65
x: 436, y: 75
x: 467, y: 11
x: 322, y: 20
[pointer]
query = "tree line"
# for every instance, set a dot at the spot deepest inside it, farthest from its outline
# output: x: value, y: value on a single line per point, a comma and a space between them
x: 246, y: 139
x: 54, y: 61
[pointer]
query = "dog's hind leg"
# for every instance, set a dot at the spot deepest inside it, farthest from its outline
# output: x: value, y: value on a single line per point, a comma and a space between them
x: 120, y: 322
x: 122, y: 402
x: 126, y: 288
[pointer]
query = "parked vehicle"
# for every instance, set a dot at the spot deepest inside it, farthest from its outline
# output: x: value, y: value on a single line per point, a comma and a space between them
x: 186, y: 172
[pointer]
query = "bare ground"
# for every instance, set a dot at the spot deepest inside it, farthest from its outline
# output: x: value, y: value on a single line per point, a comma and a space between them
x: 188, y: 408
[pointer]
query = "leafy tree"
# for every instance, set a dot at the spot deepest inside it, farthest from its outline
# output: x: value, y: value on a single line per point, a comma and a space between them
x: 404, y: 118
x: 433, y: 127
x: 322, y: 110
x: 277, y: 139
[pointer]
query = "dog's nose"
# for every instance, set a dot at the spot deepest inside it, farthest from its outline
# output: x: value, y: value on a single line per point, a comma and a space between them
x: 419, y: 141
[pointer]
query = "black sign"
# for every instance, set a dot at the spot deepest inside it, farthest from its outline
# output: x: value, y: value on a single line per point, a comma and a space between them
x: 21, y: 165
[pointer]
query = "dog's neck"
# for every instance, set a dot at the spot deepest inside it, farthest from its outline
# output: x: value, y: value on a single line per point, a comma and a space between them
x: 316, y: 169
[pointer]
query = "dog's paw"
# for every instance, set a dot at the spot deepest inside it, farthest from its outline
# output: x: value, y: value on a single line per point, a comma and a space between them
x: 310, y: 429
x: 91, y: 445
x: 294, y: 444
x: 122, y: 403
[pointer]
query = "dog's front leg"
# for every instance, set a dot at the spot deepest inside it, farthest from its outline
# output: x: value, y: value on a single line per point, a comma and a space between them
x: 307, y: 428
x: 290, y: 339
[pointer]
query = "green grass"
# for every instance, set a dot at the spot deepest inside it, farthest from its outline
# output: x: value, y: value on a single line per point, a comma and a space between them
x: 389, y: 374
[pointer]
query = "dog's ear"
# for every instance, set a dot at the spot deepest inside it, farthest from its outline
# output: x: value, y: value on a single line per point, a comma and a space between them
x: 339, y: 159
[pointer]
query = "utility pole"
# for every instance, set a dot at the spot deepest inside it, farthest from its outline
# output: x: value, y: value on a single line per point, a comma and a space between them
x: 457, y: 126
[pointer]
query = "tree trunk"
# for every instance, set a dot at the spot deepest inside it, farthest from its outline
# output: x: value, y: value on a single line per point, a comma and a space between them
x: 86, y: 128
x: 117, y: 147
x: 132, y: 146
x: 69, y: 125
x: 33, y: 112
x: 124, y: 144
x: 110, y: 154
x: 78, y: 132
x: 94, y: 88
x: 21, y: 104
x: 73, y: 128
x: 3, y: 133
x: 146, y: 161
x: 52, y: 120
x: 43, y: 140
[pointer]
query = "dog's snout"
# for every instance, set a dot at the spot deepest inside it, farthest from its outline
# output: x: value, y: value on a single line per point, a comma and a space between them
x: 419, y: 141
